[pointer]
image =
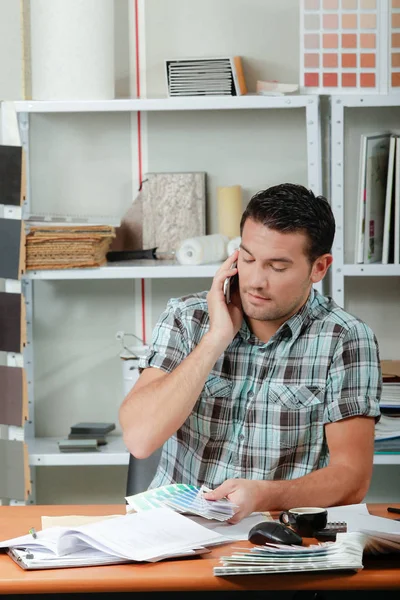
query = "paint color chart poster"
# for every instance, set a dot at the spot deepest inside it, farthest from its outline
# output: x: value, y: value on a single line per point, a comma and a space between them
x: 350, y: 46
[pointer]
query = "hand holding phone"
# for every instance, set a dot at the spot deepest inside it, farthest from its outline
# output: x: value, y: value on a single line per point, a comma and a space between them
x: 228, y: 284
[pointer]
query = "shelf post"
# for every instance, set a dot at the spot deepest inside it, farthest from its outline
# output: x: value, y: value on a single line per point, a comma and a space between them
x: 337, y: 196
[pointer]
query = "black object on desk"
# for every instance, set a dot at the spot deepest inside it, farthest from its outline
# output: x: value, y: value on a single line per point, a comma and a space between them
x: 273, y: 532
x: 329, y: 532
x: 392, y: 509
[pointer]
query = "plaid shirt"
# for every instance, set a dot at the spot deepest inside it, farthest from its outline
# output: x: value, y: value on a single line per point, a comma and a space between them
x: 262, y: 411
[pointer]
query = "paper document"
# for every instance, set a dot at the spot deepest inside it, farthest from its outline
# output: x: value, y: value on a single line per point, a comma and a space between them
x: 73, y: 520
x: 145, y: 536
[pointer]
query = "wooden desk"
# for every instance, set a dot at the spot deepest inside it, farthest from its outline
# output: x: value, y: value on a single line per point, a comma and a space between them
x: 192, y: 574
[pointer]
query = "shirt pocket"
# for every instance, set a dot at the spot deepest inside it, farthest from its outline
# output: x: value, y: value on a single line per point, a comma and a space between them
x: 296, y: 397
x: 211, y: 417
x: 295, y: 414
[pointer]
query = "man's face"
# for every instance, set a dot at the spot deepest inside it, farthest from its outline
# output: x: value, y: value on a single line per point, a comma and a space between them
x: 274, y: 272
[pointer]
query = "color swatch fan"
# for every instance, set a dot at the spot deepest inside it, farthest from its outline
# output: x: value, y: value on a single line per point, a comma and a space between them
x: 183, y: 498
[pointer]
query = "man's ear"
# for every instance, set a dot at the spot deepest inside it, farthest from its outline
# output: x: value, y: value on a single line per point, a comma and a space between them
x: 320, y: 267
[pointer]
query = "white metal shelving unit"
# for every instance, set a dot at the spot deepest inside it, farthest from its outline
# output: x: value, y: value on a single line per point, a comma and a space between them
x: 44, y: 451
x: 138, y: 269
x: 340, y: 269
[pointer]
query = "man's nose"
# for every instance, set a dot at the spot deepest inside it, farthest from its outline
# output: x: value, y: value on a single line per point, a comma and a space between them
x: 258, y: 279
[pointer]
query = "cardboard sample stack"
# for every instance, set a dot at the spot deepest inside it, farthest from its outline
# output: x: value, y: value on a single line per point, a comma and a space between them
x: 67, y: 247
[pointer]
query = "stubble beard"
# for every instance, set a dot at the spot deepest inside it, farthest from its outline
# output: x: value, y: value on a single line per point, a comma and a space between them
x: 271, y: 312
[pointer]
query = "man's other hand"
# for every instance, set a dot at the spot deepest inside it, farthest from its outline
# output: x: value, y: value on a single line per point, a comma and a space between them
x: 244, y: 493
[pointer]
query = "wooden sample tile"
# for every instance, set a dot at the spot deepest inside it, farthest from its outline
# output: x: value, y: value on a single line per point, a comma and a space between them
x: 12, y: 322
x: 14, y: 470
x: 13, y: 396
x: 12, y: 249
x: 12, y: 175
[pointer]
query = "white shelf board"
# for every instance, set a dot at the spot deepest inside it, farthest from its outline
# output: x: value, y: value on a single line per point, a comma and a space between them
x: 386, y: 459
x: 249, y: 101
x: 44, y: 452
x: 374, y: 270
x: 130, y: 269
x: 367, y: 100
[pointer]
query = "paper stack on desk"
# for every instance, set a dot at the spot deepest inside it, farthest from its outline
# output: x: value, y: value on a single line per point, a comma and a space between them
x: 184, y: 498
x: 344, y: 554
x: 365, y: 533
x: 147, y: 536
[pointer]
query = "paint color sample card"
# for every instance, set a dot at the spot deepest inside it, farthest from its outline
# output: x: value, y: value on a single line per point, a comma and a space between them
x: 12, y: 178
x: 12, y: 249
x: 183, y: 498
x: 13, y: 396
x: 344, y: 45
x: 12, y: 323
x: 14, y: 470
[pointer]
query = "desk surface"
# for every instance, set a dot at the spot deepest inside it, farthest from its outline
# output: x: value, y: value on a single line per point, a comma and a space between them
x: 379, y: 573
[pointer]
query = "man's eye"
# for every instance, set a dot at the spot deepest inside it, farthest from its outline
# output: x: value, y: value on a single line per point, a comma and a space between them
x: 248, y: 260
x: 278, y: 270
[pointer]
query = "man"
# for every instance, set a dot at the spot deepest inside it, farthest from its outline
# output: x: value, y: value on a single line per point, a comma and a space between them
x: 270, y: 400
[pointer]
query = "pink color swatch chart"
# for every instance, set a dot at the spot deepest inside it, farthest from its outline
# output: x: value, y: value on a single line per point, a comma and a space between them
x: 350, y: 46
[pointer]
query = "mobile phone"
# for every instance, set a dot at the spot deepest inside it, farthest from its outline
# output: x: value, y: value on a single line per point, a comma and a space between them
x: 228, y: 284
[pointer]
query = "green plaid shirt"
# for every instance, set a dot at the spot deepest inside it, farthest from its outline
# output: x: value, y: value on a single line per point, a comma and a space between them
x: 262, y: 411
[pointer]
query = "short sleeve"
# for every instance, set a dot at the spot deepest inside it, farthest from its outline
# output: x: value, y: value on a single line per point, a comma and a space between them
x: 354, y: 382
x: 169, y: 344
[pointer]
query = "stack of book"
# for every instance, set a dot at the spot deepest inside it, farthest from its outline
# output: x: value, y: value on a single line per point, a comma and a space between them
x: 206, y: 77
x: 67, y: 247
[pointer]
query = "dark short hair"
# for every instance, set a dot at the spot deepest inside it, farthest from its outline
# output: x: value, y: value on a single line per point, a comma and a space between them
x: 290, y: 208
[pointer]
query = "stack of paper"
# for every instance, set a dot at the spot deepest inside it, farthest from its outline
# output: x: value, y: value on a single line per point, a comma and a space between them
x: 205, y: 77
x: 183, y: 498
x: 148, y: 536
x: 390, y: 395
x: 344, y: 554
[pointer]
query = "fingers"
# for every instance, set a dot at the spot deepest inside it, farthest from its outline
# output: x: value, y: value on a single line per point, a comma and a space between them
x: 225, y: 270
x: 220, y: 492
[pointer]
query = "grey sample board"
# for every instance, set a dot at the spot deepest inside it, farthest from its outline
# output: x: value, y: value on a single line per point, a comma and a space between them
x: 14, y: 470
x: 12, y: 177
x: 12, y: 249
x: 12, y: 322
x: 13, y: 396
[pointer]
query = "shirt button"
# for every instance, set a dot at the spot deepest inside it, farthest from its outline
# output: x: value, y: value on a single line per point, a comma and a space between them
x: 241, y: 437
x: 250, y: 394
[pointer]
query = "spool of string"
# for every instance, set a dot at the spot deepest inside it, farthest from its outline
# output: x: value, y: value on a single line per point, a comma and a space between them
x: 203, y: 249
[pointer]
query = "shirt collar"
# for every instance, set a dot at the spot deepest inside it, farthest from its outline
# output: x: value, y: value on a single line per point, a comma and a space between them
x: 292, y: 327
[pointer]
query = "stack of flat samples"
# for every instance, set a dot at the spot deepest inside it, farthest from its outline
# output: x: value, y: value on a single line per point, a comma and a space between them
x: 86, y: 437
x: 205, y: 77
x: 67, y: 247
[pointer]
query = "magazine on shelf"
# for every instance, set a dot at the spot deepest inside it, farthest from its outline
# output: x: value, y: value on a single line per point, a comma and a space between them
x: 374, y: 154
x: 397, y: 205
x: 375, y: 187
x: 388, y: 224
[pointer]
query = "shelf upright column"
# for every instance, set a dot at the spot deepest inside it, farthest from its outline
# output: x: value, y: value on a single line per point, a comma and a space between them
x: 23, y: 122
x: 313, y: 128
x: 337, y: 195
